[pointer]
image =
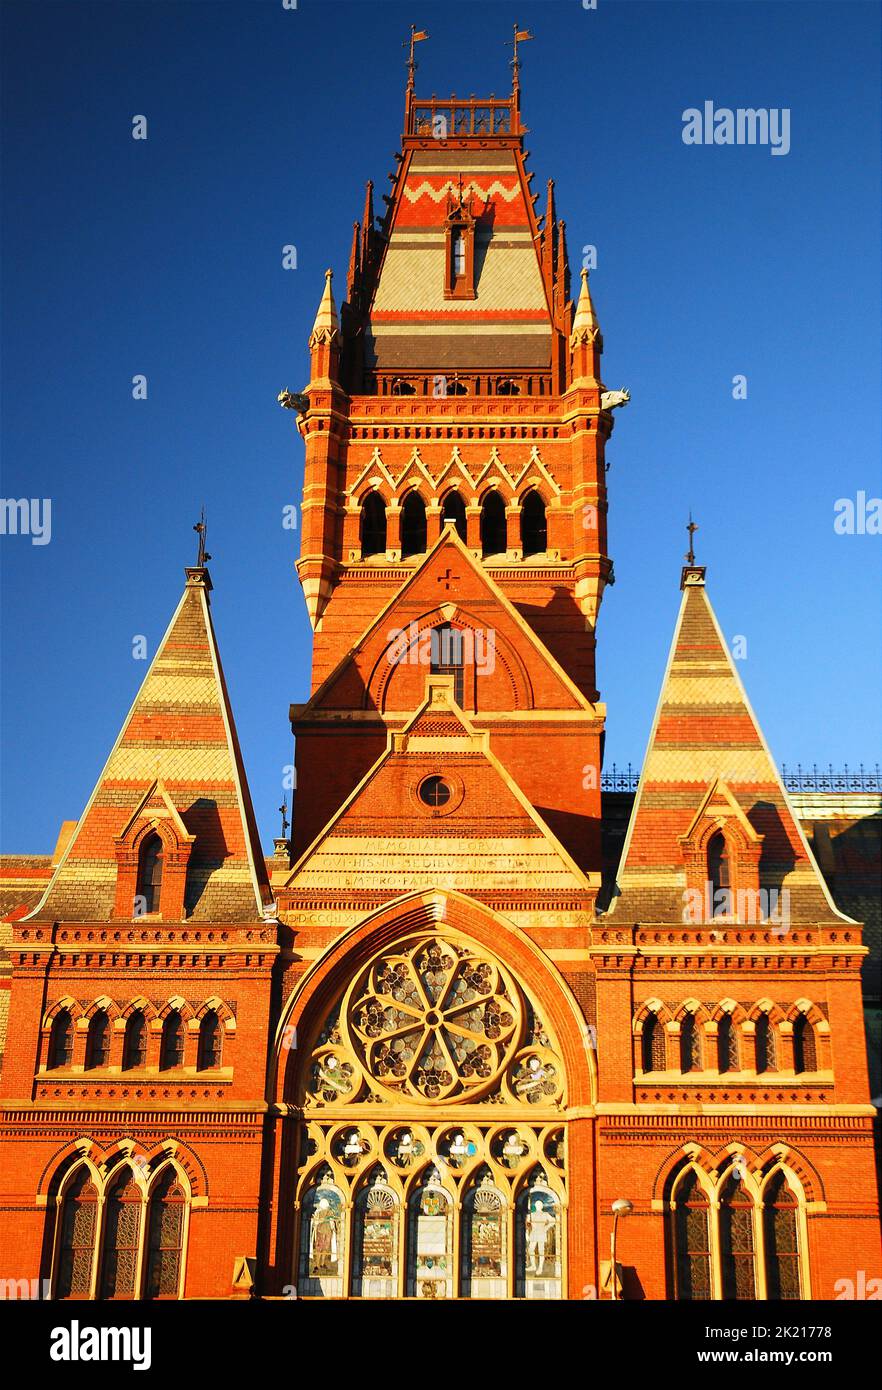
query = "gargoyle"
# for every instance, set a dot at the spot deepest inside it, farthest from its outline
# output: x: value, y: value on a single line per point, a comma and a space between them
x: 609, y: 400
x: 293, y: 400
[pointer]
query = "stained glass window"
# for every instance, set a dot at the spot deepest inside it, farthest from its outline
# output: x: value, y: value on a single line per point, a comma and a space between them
x: 690, y: 1231
x: 122, y: 1231
x: 76, y: 1252
x: 375, y: 1239
x: 448, y: 658
x: 135, y: 1042
x: 430, y: 1240
x: 322, y: 1239
x: 166, y: 1238
x: 780, y: 1239
x: 538, y: 1240
x: 61, y: 1040
x: 98, y: 1041
x: 484, y: 1229
x: 736, y: 1241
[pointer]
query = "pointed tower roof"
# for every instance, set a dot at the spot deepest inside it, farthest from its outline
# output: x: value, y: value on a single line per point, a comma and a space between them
x: 326, y: 322
x: 177, y: 756
x: 707, y: 754
x: 585, y: 325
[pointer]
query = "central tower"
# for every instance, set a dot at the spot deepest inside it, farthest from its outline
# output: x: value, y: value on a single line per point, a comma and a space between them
x: 455, y: 425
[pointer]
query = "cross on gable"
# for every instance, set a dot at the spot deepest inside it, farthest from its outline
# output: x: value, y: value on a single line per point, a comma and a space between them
x: 446, y: 578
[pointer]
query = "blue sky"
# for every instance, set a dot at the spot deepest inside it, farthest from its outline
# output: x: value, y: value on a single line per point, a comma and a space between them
x: 164, y: 257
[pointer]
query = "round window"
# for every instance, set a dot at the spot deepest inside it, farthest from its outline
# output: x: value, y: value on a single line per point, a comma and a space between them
x: 434, y: 791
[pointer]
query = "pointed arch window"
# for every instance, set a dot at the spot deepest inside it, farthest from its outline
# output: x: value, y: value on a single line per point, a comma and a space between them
x: 736, y: 1241
x: 805, y: 1056
x: 322, y: 1236
x: 211, y: 1042
x: 430, y: 1240
x: 375, y: 1239
x: 135, y: 1042
x: 718, y: 874
x: 727, y: 1044
x: 690, y: 1044
x: 122, y: 1238
x: 766, y: 1045
x: 447, y: 657
x: 780, y: 1239
x: 98, y: 1041
x: 454, y: 509
x: 61, y: 1040
x: 484, y: 1240
x: 171, y: 1051
x: 76, y: 1252
x: 538, y: 1240
x: 373, y: 526
x: 165, y: 1241
x: 413, y: 525
x: 653, y: 1044
x: 493, y: 527
x: 689, y: 1226
x: 150, y: 862
x: 534, y: 529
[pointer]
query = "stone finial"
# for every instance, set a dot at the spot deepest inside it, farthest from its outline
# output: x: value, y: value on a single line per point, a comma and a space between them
x: 585, y: 325
x: 327, y: 325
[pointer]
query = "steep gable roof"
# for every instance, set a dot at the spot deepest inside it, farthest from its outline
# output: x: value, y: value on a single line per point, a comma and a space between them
x: 177, y: 748
x: 704, y: 733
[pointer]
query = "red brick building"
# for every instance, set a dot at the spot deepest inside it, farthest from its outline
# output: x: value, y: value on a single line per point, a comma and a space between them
x: 423, y: 1049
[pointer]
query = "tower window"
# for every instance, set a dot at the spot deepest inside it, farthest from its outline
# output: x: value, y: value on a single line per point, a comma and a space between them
x: 454, y: 510
x: 413, y: 525
x: 494, y: 540
x: 653, y: 1044
x: 61, y: 1041
x: 459, y: 254
x: 718, y: 874
x: 98, y: 1041
x: 172, y: 1048
x: 804, y: 1052
x: 447, y: 657
x: 150, y: 873
x: 373, y: 526
x: 727, y: 1044
x: 135, y: 1042
x: 210, y: 1042
x: 766, y: 1057
x: 534, y: 532
x: 690, y: 1045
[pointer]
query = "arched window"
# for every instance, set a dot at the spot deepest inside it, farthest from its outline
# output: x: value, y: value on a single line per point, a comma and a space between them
x: 375, y: 1239
x: 454, y: 509
x: 373, y: 526
x: 484, y: 1252
x: 766, y: 1045
x: 689, y: 1224
x: 403, y: 388
x: 534, y: 532
x: 322, y: 1239
x: 61, y: 1040
x: 718, y: 874
x: 150, y: 873
x: 736, y: 1240
x: 413, y: 524
x: 507, y: 387
x: 171, y: 1051
x: 76, y: 1249
x: 654, y: 1058
x: 780, y: 1239
x: 455, y: 387
x: 122, y: 1238
x: 493, y: 530
x: 98, y: 1041
x: 537, y: 1240
x: 135, y: 1042
x: 430, y: 1240
x: 165, y: 1240
x: 211, y: 1042
x: 804, y: 1051
x: 447, y: 657
x: 459, y: 255
x: 727, y: 1044
x: 690, y: 1044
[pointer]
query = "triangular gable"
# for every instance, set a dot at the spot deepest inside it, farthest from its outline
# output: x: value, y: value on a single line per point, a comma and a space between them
x: 719, y: 801
x: 484, y: 840
x: 155, y: 804
x: 178, y: 743
x: 428, y: 590
x: 705, y: 732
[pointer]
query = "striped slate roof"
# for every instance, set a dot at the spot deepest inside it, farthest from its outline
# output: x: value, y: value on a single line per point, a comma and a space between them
x: 411, y: 324
x: 180, y: 734
x: 704, y: 732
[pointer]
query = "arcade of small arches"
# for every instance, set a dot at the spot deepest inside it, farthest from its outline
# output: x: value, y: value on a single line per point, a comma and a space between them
x: 104, y: 1039
x: 118, y: 1230
x: 726, y: 1038
x: 736, y: 1231
x: 494, y: 529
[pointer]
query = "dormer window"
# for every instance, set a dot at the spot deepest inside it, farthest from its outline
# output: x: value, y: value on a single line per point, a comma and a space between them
x: 459, y: 254
x: 150, y: 873
x: 459, y: 260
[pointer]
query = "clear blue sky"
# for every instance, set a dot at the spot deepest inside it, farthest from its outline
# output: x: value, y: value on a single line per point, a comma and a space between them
x: 164, y: 257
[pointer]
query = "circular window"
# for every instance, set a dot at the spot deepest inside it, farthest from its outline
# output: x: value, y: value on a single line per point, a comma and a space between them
x: 434, y: 791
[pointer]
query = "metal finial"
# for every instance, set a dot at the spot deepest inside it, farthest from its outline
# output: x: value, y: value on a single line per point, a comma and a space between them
x: 691, y: 528
x: 201, y: 529
x: 285, y: 821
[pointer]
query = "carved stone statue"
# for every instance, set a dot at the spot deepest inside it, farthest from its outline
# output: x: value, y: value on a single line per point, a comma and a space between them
x: 609, y: 400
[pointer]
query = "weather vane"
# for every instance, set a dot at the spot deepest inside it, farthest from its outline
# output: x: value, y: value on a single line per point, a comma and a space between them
x: 416, y: 36
x: 691, y: 528
x: 285, y: 821
x: 520, y: 36
x: 202, y: 555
